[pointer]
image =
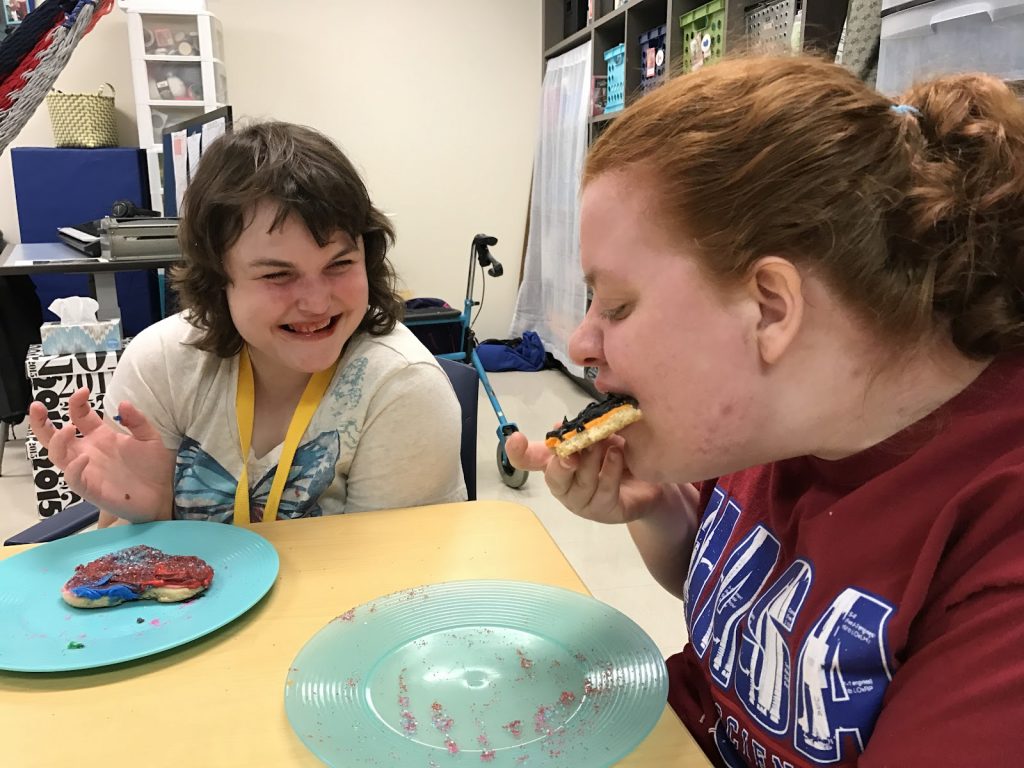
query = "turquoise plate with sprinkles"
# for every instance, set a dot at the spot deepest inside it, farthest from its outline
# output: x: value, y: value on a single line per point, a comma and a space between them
x: 498, y: 673
x: 39, y: 632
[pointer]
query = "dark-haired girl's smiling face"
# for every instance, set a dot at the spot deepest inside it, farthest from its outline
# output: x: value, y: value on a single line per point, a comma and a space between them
x: 294, y: 302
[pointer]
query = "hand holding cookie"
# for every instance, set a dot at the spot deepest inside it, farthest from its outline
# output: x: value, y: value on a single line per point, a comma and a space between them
x: 584, y: 464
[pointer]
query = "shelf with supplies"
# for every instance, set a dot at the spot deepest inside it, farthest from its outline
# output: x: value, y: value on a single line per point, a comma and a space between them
x: 178, y: 72
x: 663, y: 38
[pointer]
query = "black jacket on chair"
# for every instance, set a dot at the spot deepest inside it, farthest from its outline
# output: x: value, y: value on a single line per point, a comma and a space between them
x: 20, y: 318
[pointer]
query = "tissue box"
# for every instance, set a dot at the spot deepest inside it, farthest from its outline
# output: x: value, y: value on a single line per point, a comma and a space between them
x: 101, y: 336
x: 52, y: 493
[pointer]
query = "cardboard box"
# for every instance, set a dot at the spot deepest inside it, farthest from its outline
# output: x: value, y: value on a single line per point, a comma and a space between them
x: 101, y: 336
x: 54, y: 378
x: 52, y: 493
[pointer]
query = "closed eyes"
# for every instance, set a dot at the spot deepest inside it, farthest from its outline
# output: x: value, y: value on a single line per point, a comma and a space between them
x: 339, y: 265
x: 615, y: 313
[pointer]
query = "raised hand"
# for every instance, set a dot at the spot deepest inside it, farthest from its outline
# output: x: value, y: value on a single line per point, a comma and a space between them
x: 128, y: 475
x: 594, y: 483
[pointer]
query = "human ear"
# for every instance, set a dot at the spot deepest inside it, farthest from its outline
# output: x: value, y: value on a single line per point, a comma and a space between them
x: 775, y: 285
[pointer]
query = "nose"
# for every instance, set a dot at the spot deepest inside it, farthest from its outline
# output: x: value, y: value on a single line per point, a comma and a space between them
x: 313, y: 295
x: 586, y: 344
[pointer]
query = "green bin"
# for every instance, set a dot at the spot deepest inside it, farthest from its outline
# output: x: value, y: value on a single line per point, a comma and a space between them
x: 703, y: 31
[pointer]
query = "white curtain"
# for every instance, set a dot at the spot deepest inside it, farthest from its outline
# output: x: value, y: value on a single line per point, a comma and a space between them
x: 552, y: 298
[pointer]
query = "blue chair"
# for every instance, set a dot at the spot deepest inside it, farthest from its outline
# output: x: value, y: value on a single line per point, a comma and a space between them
x: 464, y: 381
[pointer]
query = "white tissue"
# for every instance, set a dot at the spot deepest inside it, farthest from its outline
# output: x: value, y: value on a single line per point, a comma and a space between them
x: 75, y: 310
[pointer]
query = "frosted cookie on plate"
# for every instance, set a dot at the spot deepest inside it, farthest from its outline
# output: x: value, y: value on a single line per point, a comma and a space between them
x: 136, y: 573
x: 594, y: 423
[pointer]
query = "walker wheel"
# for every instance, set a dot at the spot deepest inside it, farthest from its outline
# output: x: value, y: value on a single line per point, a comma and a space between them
x: 510, y: 476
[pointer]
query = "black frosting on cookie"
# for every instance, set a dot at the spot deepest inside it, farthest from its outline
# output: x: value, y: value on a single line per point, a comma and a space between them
x: 588, y: 414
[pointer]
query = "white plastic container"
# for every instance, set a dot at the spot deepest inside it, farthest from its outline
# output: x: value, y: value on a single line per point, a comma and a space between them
x: 948, y: 36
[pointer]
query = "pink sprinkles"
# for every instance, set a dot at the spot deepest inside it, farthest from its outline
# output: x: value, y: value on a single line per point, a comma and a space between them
x: 442, y: 722
x: 515, y: 728
x: 524, y: 662
x: 408, y: 722
x: 540, y: 720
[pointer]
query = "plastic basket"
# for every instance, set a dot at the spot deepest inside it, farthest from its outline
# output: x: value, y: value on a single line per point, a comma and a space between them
x: 703, y: 31
x: 768, y: 25
x: 615, y: 58
x: 652, y: 57
x: 82, y: 119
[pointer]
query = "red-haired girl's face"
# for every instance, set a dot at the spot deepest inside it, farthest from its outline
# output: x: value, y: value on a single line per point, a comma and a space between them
x: 659, y: 330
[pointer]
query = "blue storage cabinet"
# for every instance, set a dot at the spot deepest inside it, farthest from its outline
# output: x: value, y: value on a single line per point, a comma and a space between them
x: 59, y: 187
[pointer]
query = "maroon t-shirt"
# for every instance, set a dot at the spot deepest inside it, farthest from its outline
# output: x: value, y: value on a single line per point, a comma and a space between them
x: 867, y: 611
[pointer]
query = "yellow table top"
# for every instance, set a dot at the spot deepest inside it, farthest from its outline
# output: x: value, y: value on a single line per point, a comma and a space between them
x: 219, y: 701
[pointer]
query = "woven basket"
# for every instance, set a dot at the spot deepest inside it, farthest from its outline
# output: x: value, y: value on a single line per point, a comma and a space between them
x: 82, y: 119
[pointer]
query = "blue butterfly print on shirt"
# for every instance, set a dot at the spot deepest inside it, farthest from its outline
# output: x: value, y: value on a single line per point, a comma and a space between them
x: 204, y: 490
x: 348, y: 390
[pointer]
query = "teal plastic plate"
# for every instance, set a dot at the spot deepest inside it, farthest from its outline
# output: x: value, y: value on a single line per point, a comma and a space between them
x: 41, y: 633
x: 501, y: 673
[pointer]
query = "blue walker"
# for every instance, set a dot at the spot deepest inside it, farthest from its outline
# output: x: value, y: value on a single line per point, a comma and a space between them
x: 480, y: 250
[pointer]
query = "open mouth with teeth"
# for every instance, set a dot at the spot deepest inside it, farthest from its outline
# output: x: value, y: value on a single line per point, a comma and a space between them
x: 312, y: 330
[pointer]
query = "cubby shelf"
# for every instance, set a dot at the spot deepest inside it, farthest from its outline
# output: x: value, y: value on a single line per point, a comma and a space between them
x: 177, y: 59
x: 821, y: 24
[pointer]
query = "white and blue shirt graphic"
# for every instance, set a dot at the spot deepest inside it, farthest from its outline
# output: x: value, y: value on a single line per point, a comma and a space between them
x: 795, y: 672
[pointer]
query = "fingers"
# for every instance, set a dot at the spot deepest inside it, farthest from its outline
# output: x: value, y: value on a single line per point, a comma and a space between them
x: 63, y: 445
x: 523, y: 454
x: 133, y: 420
x: 589, y: 483
x: 580, y: 491
x: 559, y: 474
x: 74, y: 472
x: 606, y: 495
x: 39, y: 420
x: 81, y: 413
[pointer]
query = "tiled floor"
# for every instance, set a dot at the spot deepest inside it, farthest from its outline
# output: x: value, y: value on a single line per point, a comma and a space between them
x: 603, y: 556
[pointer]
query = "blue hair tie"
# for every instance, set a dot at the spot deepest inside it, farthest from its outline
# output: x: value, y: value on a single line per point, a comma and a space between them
x: 905, y: 108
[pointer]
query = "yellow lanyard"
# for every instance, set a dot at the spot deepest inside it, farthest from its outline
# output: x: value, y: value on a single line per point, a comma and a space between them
x: 245, y: 399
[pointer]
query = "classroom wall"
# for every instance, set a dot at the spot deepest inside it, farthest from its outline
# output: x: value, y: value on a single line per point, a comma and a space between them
x: 436, y: 103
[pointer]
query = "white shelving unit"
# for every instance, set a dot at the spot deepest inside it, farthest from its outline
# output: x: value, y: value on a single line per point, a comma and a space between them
x: 177, y: 59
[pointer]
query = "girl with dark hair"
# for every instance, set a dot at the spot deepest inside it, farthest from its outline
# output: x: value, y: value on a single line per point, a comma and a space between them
x: 287, y: 387
x: 817, y: 297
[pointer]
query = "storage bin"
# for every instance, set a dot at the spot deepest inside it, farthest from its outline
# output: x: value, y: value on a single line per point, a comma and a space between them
x: 615, y: 58
x: 652, y: 57
x: 768, y: 25
x: 947, y: 36
x: 703, y: 30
